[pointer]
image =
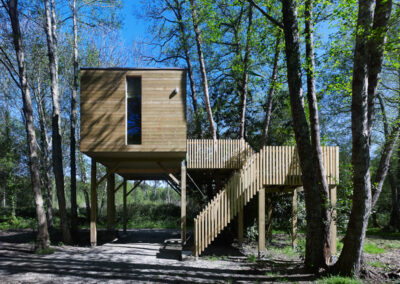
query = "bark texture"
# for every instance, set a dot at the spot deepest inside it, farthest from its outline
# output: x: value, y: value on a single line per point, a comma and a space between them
x: 42, y: 239
x: 314, y: 124
x: 314, y: 237
x: 245, y: 79
x: 203, y: 71
x: 58, y: 169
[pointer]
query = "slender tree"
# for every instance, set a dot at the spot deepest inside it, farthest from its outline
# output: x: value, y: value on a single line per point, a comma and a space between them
x: 51, y: 36
x: 42, y: 239
x: 203, y: 71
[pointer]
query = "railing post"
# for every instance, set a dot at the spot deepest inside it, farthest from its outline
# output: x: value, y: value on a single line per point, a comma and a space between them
x: 124, y: 206
x: 261, y: 223
x: 93, y: 204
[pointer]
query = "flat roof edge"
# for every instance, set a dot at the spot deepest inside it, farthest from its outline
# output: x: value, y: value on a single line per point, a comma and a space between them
x: 132, y: 68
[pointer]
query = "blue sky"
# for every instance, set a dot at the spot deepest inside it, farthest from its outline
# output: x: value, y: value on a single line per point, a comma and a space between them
x: 133, y: 27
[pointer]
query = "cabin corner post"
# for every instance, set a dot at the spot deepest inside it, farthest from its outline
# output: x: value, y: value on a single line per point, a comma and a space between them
x: 333, y: 226
x: 110, y: 200
x: 183, y: 201
x: 124, y: 206
x: 261, y: 222
x: 93, y: 204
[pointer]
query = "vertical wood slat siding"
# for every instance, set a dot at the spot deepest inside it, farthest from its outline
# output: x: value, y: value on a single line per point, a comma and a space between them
x: 271, y: 166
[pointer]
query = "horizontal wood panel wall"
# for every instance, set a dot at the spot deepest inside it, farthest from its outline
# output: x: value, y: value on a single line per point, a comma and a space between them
x: 280, y: 162
x: 103, y: 111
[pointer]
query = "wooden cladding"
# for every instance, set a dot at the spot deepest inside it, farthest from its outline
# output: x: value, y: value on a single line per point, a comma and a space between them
x: 218, y: 154
x: 104, y: 108
x: 273, y: 165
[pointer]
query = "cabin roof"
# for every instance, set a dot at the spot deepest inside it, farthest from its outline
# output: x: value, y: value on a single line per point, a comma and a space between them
x: 132, y: 68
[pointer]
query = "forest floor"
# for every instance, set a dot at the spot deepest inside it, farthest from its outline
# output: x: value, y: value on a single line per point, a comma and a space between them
x: 152, y: 255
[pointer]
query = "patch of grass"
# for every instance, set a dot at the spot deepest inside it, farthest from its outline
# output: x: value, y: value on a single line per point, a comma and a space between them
x: 45, y: 251
x: 288, y: 250
x: 252, y: 258
x: 372, y: 248
x: 393, y: 245
x: 337, y: 280
x: 376, y: 264
x: 212, y: 258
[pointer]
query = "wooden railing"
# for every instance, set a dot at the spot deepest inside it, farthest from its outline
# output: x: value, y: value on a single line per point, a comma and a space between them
x: 218, y: 154
x: 271, y: 166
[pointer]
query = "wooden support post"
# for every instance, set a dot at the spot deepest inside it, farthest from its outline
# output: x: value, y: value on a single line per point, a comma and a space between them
x: 124, y: 206
x: 294, y: 219
x: 93, y: 205
x: 183, y: 202
x: 261, y: 222
x: 240, y: 225
x: 110, y: 201
x: 269, y: 217
x: 333, y: 227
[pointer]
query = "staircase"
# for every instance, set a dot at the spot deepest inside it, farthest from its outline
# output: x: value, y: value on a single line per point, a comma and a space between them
x: 273, y: 165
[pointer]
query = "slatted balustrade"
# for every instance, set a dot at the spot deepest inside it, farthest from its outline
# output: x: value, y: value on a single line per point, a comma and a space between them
x: 271, y: 166
x: 217, y: 154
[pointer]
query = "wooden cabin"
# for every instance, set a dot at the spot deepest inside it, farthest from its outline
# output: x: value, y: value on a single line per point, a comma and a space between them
x: 136, y: 117
x: 133, y: 121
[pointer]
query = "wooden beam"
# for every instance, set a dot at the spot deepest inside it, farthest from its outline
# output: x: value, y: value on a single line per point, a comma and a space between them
x: 109, y: 172
x: 333, y: 226
x: 110, y: 201
x: 134, y: 187
x: 93, y: 204
x: 261, y: 223
x: 124, y: 214
x: 168, y: 172
x: 294, y: 219
x: 173, y: 186
x: 119, y: 186
x: 183, y: 202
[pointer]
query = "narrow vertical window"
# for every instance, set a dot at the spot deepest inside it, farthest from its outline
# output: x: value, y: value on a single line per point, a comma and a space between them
x: 134, y: 110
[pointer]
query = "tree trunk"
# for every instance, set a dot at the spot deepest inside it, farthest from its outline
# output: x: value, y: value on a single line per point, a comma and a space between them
x: 42, y: 239
x: 368, y: 56
x: 74, y: 212
x: 271, y: 92
x: 314, y: 236
x: 394, y: 222
x: 314, y: 124
x: 84, y: 184
x: 57, y: 143
x: 349, y: 262
x: 245, y: 78
x: 185, y: 45
x: 203, y: 69
x: 46, y: 152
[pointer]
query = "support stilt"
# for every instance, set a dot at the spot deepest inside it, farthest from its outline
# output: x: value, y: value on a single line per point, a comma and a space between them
x: 124, y: 206
x: 261, y: 223
x: 93, y: 205
x: 183, y: 202
x: 110, y: 201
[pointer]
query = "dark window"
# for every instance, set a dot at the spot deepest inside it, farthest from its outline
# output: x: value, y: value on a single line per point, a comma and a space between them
x: 134, y: 110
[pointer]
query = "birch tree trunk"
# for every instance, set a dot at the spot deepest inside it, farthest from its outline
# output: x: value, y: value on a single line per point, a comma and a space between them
x: 271, y: 92
x: 184, y: 41
x: 46, y: 152
x: 245, y: 78
x: 42, y: 239
x: 57, y: 143
x: 314, y: 237
x: 203, y: 69
x: 84, y: 187
x: 74, y: 213
x: 314, y: 124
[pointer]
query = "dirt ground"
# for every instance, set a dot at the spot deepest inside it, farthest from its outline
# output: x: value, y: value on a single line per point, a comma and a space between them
x: 147, y: 256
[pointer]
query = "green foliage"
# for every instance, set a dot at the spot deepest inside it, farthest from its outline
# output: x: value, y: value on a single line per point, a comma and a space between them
x: 338, y: 280
x: 372, y: 248
x: 252, y: 258
x: 17, y: 223
x: 45, y: 251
